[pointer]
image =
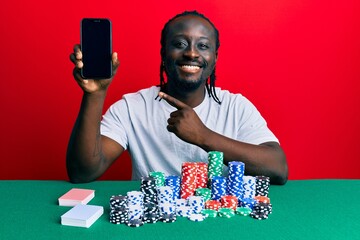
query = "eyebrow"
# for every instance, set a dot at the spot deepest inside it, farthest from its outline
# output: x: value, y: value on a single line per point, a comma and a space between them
x: 182, y: 35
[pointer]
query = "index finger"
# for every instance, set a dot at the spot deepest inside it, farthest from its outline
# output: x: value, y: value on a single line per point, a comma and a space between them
x: 77, y: 47
x: 172, y: 101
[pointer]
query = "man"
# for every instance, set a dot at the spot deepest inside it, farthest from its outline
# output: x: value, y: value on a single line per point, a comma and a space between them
x: 193, y: 118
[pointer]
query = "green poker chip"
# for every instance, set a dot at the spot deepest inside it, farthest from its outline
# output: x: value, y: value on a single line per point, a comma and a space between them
x: 226, y: 212
x: 209, y: 213
x: 243, y: 211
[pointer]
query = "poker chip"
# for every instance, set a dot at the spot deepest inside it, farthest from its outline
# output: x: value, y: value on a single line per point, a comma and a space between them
x: 160, y: 178
x: 243, y: 211
x: 151, y: 217
x: 212, y: 204
x: 262, y: 186
x: 196, y: 203
x: 168, y: 218
x: 175, y: 183
x: 201, y: 175
x: 135, y: 223
x: 149, y: 189
x: 235, y: 179
x: 117, y: 201
x: 249, y: 186
x: 197, y: 217
x: 188, y: 179
x: 226, y: 212
x: 209, y: 213
x: 218, y: 187
x: 229, y: 201
x: 215, y: 165
x: 259, y: 216
x: 184, y: 211
x: 203, y: 192
x: 262, y: 199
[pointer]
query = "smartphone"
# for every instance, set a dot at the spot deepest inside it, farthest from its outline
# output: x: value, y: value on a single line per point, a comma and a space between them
x: 96, y: 47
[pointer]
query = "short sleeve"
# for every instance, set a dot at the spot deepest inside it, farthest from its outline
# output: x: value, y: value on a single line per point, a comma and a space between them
x: 115, y: 122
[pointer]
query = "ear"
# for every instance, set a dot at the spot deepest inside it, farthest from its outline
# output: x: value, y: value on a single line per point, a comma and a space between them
x: 216, y: 56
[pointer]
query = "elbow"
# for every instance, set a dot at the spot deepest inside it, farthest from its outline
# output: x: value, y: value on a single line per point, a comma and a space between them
x: 75, y: 179
x: 281, y: 175
x: 75, y: 175
x: 280, y: 178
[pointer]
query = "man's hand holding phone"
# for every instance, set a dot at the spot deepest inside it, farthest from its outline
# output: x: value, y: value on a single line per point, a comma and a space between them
x: 91, y: 85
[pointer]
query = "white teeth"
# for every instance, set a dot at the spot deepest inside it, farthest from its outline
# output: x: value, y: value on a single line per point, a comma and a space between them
x: 190, y: 67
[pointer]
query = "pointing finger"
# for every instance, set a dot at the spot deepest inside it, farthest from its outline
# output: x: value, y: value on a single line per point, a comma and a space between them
x: 173, y: 101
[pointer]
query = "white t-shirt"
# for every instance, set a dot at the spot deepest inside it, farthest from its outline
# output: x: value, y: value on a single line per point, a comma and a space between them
x: 138, y: 123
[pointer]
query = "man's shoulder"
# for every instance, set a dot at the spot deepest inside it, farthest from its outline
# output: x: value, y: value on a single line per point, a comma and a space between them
x: 145, y: 93
x: 227, y: 96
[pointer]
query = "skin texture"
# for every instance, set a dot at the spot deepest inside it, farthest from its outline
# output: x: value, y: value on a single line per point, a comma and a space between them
x: 190, y: 57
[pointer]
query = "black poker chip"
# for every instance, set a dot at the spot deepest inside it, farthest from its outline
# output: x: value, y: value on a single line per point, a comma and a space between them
x: 135, y: 223
x: 151, y: 217
x: 259, y: 216
x: 168, y: 218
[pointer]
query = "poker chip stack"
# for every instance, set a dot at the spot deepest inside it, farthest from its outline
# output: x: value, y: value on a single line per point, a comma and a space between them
x: 203, y: 192
x: 226, y: 212
x: 201, y: 175
x: 165, y: 200
x: 215, y: 165
x: 262, y: 186
x: 218, y: 187
x: 151, y: 213
x: 196, y: 204
x: 243, y: 211
x: 261, y: 210
x: 136, y: 206
x: 118, y: 209
x: 249, y: 186
x: 149, y: 189
x: 229, y: 202
x: 200, y: 192
x: 247, y: 202
x: 160, y: 178
x: 175, y: 183
x: 183, y: 211
x: 182, y: 208
x: 235, y: 179
x: 213, y: 205
x: 188, y: 179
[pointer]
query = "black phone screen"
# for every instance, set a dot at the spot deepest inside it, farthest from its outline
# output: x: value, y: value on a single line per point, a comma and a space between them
x: 96, y: 46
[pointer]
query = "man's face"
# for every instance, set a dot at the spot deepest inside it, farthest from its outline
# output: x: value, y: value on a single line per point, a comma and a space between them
x: 190, y: 52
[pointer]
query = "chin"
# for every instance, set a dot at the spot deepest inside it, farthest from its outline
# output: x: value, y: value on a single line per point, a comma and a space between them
x: 188, y: 84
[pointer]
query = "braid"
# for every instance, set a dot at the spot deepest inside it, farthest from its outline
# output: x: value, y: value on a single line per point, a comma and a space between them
x: 210, y: 89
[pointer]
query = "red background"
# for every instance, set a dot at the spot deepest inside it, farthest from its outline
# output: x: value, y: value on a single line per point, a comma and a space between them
x: 297, y: 61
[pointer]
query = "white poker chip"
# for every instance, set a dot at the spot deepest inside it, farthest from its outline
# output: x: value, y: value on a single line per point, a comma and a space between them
x: 196, y: 217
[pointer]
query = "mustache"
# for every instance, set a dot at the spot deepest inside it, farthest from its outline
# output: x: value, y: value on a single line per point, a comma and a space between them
x: 202, y: 63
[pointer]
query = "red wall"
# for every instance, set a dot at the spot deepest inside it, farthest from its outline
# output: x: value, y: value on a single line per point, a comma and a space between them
x: 297, y: 61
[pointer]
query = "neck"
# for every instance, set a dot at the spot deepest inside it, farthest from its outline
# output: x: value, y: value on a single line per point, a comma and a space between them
x: 192, y: 99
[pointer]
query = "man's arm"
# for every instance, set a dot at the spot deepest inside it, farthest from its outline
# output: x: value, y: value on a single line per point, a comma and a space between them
x: 265, y: 159
x: 89, y: 154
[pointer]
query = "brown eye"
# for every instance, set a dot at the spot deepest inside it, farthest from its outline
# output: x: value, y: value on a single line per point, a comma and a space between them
x: 180, y: 44
x: 203, y: 46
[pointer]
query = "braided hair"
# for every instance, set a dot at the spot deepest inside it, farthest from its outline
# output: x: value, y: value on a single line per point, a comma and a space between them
x: 210, y: 87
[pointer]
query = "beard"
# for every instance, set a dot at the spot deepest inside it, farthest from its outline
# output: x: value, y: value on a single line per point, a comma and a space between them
x: 182, y: 84
x: 187, y: 85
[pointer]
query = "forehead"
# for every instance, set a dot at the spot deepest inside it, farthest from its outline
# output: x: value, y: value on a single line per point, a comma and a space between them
x: 190, y: 25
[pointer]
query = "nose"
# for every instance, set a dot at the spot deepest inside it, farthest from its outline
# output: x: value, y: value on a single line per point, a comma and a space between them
x: 191, y: 52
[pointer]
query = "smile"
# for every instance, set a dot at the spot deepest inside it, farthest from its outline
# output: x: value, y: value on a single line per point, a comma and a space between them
x: 190, y: 68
